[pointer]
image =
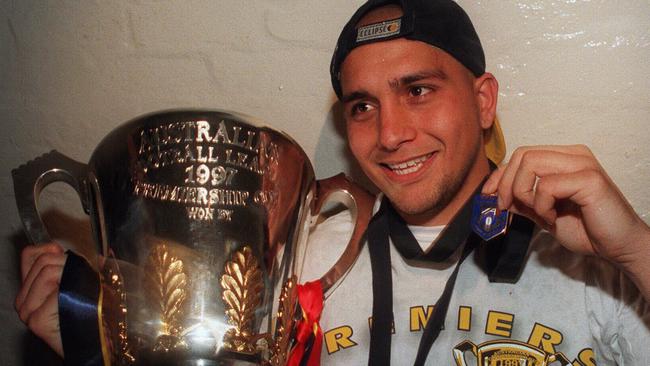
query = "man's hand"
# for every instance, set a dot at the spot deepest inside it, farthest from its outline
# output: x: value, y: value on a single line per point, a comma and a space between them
x: 566, y: 191
x: 37, y: 302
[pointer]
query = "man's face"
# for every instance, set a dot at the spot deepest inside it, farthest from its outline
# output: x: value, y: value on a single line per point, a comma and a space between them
x: 413, y: 123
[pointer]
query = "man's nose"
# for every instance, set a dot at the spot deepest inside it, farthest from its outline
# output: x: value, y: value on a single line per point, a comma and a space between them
x: 394, y: 127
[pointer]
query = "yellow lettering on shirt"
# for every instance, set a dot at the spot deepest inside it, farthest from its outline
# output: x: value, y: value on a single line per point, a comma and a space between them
x: 339, y: 338
x: 545, y: 338
x: 586, y: 357
x: 499, y: 324
x: 464, y: 318
x: 418, y: 319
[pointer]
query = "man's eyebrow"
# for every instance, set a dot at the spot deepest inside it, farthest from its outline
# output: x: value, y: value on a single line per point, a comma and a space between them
x: 404, y: 80
x: 354, y: 96
x: 411, y: 78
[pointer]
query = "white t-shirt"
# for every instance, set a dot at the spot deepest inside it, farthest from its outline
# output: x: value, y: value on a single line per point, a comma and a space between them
x: 564, y: 303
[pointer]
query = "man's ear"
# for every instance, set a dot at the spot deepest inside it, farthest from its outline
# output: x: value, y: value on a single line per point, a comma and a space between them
x: 486, y: 88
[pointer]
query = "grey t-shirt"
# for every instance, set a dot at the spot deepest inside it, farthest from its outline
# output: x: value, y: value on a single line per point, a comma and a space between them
x: 564, y: 304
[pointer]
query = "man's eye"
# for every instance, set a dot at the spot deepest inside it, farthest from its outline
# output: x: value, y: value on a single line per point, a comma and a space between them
x: 417, y: 91
x: 361, y: 108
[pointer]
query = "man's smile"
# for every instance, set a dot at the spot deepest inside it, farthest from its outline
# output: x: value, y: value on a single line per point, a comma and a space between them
x: 408, y: 166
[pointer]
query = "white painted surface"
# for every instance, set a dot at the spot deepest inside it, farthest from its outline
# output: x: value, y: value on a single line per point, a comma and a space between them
x: 571, y: 71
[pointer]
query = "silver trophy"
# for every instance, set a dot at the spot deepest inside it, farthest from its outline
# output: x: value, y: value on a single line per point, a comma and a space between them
x: 201, y: 220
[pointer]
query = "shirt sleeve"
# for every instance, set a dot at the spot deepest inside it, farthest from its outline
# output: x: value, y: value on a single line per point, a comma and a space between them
x: 619, y: 316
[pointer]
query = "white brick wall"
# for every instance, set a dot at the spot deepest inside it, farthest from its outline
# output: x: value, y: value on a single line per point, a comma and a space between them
x: 571, y: 71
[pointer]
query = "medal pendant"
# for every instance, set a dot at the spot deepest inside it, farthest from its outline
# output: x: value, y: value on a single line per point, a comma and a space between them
x: 488, y: 221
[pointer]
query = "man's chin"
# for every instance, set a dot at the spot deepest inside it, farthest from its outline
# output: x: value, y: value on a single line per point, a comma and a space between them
x: 416, y: 205
x: 424, y: 205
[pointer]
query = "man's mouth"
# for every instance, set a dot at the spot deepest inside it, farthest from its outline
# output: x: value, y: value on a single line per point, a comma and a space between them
x: 410, y: 166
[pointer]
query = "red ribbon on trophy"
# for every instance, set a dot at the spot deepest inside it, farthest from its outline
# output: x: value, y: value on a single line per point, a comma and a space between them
x: 309, y: 335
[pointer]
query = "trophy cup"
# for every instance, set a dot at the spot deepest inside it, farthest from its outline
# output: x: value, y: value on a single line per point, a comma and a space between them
x: 200, y: 220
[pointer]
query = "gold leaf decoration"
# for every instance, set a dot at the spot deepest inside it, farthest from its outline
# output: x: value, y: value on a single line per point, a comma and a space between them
x: 242, y: 287
x: 284, y: 323
x: 117, y: 286
x: 112, y: 311
x: 167, y: 283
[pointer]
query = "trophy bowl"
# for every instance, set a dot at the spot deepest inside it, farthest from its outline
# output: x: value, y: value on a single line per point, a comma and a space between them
x: 201, y: 220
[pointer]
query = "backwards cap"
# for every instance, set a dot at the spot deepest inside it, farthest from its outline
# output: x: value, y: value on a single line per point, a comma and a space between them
x: 440, y: 23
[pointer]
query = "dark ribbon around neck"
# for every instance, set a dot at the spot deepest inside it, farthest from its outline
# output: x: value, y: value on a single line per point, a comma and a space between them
x: 79, y: 317
x: 503, y: 262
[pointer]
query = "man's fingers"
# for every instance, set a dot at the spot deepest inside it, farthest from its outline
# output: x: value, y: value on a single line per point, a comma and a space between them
x: 579, y: 187
x: 44, y: 322
x: 49, y: 258
x: 570, y: 187
x: 519, y: 182
x: 52, y: 264
x: 492, y: 183
x: 45, y: 314
x: 32, y: 252
x: 544, y: 200
x: 530, y: 213
x: 511, y: 167
x: 44, y: 285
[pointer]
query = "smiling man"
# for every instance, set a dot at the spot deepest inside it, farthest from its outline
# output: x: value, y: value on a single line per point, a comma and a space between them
x: 411, y: 113
x: 566, y: 282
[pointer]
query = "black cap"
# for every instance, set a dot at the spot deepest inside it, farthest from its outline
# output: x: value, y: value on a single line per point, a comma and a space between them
x: 440, y: 23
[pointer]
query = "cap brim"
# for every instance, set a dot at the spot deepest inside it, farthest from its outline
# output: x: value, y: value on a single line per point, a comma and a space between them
x: 495, y: 143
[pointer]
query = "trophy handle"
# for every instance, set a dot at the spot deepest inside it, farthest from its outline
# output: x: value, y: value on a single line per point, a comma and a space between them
x: 31, y: 178
x: 360, y: 203
x: 459, y: 352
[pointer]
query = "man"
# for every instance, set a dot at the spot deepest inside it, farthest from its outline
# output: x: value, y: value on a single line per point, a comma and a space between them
x: 419, y: 109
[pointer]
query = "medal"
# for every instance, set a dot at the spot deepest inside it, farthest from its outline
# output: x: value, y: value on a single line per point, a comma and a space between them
x: 487, y: 220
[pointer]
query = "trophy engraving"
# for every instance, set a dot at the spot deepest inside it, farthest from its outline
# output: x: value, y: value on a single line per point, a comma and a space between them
x: 242, y: 292
x: 209, y: 167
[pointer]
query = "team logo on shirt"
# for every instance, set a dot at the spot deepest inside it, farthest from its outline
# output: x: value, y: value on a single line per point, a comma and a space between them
x: 504, y: 352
